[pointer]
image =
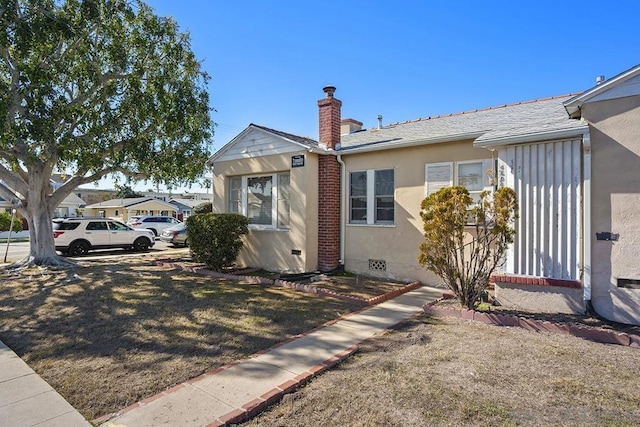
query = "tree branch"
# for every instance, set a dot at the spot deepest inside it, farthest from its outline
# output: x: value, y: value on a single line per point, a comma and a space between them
x: 15, y: 180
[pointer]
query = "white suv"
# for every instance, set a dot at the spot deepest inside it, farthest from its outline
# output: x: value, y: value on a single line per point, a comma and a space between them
x: 77, y: 236
x: 155, y: 223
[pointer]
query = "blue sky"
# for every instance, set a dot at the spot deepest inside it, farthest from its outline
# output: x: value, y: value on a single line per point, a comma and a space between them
x: 403, y: 59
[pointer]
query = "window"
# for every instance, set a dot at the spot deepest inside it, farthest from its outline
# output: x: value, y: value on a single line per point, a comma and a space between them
x: 284, y: 204
x: 474, y: 175
x: 98, y: 225
x: 235, y: 195
x: 117, y: 213
x: 371, y: 197
x: 384, y: 196
x: 260, y: 199
x: 264, y: 199
x: 358, y: 197
x: 118, y: 226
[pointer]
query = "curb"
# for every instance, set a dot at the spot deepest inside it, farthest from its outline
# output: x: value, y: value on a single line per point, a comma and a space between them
x: 592, y: 334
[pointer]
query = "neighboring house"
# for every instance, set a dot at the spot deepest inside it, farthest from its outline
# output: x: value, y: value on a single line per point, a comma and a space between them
x: 70, y: 206
x: 94, y: 195
x: 185, y: 207
x: 353, y: 197
x: 122, y: 209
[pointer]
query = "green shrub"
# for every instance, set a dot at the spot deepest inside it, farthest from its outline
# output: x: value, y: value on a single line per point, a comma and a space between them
x: 463, y: 243
x: 216, y: 239
x: 5, y: 222
x: 204, y: 207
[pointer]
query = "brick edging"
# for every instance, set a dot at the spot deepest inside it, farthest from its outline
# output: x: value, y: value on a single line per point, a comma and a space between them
x: 253, y: 408
x: 310, y: 289
x: 585, y: 332
x: 518, y: 279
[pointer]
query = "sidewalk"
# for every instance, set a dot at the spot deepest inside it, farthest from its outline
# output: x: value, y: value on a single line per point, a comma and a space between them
x: 27, y: 400
x: 233, y: 393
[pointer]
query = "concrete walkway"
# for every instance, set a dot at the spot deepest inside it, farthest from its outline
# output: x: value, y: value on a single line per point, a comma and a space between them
x: 27, y: 400
x: 235, y: 392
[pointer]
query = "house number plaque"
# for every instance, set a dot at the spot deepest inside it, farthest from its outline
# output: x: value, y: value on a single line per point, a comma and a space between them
x: 297, y: 161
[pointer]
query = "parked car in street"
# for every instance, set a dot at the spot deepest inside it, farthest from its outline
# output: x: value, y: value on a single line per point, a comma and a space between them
x: 77, y: 236
x: 155, y: 223
x: 176, y: 235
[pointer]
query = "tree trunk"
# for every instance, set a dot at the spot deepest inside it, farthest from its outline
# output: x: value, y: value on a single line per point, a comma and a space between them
x: 38, y: 209
x: 42, y: 246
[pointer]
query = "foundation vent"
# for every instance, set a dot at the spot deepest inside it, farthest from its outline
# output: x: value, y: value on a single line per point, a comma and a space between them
x: 378, y: 265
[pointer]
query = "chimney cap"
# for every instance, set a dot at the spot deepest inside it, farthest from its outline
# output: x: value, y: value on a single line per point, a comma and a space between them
x: 329, y: 90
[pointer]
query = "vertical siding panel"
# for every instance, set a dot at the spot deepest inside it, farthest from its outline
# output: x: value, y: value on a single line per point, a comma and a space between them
x: 520, y: 159
x: 542, y: 205
x: 558, y: 220
x: 533, y: 225
x: 547, y: 179
x: 576, y: 156
x: 566, y: 237
x: 506, y: 158
x: 510, y: 175
x: 551, y: 209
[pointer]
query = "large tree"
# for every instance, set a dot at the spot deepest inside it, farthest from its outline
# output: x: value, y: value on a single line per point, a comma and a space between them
x: 93, y: 88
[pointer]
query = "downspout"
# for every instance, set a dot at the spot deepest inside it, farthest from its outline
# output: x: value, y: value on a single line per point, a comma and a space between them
x: 586, y: 242
x: 343, y: 206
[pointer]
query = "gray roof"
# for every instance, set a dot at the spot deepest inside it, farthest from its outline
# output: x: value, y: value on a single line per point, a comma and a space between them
x: 501, y: 122
x: 299, y: 139
x: 188, y: 202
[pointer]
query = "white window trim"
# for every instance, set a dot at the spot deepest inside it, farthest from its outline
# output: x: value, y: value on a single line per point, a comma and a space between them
x: 453, y: 178
x: 482, y: 177
x: 371, y: 199
x: 244, y: 193
x: 426, y: 174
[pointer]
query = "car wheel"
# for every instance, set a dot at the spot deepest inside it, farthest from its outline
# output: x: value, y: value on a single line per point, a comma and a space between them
x: 186, y: 243
x: 141, y: 244
x: 78, y: 248
x: 155, y: 232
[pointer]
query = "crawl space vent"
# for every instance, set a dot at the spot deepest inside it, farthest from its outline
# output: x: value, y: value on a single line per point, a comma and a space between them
x: 377, y: 264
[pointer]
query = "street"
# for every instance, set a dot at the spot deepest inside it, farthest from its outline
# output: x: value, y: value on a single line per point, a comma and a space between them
x: 19, y: 250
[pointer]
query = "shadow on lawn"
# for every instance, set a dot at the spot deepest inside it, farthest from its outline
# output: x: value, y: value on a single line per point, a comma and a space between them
x: 151, y: 326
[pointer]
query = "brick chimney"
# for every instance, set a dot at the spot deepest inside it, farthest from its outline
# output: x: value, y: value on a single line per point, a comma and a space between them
x: 329, y: 109
x: 329, y: 183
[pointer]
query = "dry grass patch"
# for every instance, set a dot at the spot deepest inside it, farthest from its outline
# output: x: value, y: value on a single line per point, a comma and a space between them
x: 357, y: 286
x: 453, y: 372
x: 108, y: 335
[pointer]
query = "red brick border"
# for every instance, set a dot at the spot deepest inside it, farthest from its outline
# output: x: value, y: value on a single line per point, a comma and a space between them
x: 534, y: 280
x: 588, y: 333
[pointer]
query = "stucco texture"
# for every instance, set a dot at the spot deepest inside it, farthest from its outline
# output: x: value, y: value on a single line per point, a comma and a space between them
x: 615, y: 189
x: 270, y: 248
x: 398, y: 244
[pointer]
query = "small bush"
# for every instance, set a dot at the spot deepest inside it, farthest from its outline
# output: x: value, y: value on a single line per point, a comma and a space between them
x: 204, y: 207
x: 216, y: 239
x: 464, y: 255
x: 5, y: 222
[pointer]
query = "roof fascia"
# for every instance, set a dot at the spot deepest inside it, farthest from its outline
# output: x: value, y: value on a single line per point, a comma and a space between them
x: 533, y: 137
x: 574, y: 105
x: 280, y: 136
x: 412, y: 143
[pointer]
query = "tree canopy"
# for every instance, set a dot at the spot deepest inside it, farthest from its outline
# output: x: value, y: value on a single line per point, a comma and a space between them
x: 92, y: 88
